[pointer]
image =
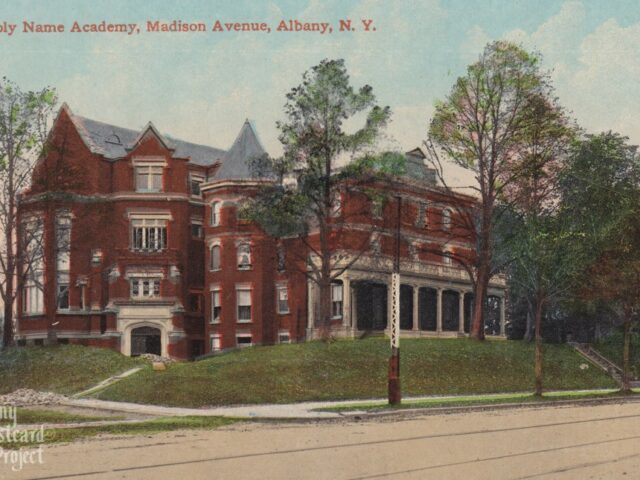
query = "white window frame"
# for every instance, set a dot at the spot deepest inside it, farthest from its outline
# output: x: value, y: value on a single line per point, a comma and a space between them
x: 150, y: 171
x: 335, y: 287
x: 137, y: 283
x: 33, y: 295
x: 218, y: 245
x: 447, y: 257
x: 280, y: 289
x: 284, y: 333
x: 149, y: 243
x: 337, y: 203
x: 242, y: 265
x: 214, y: 339
x: 446, y: 219
x: 244, y: 335
x: 197, y: 179
x: 216, y: 213
x: 244, y: 289
x: 216, y: 291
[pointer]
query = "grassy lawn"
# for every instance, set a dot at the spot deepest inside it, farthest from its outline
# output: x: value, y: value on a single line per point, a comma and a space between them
x: 28, y: 416
x: 611, y: 348
x: 355, y: 370
x: 493, y: 399
x: 147, y: 427
x: 63, y: 369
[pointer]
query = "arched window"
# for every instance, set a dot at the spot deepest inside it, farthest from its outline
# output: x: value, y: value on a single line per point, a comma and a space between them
x: 446, y: 219
x: 214, y: 251
x: 215, y: 213
x: 244, y: 256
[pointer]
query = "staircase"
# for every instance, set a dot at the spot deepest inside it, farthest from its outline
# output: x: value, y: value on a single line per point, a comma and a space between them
x: 595, y: 357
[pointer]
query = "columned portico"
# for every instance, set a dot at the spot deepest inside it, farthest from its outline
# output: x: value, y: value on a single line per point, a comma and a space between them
x: 439, y: 310
x: 461, y: 312
x: 416, y: 300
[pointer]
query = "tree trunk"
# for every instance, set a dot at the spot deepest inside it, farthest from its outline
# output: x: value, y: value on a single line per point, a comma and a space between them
x: 626, y: 351
x: 51, y: 273
x: 480, y: 294
x: 528, y: 331
x: 7, y: 332
x: 324, y: 310
x: 538, y: 345
x: 10, y: 273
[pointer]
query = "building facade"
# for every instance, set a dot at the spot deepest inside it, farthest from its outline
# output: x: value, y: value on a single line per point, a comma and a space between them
x: 139, y: 246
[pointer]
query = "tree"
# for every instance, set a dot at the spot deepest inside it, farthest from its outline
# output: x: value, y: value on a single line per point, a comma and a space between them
x: 23, y: 125
x: 483, y: 126
x: 601, y: 193
x: 544, y: 254
x: 315, y: 140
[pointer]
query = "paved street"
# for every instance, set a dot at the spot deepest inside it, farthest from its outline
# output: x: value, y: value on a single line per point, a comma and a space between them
x: 577, y: 442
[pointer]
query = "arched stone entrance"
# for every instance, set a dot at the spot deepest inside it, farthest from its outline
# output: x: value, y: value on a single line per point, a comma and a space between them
x: 146, y: 340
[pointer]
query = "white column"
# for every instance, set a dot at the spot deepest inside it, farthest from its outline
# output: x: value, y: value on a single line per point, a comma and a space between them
x: 346, y: 299
x: 416, y: 297
x: 311, y: 307
x: 503, y: 317
x: 354, y: 309
x: 439, y: 317
x: 461, y: 311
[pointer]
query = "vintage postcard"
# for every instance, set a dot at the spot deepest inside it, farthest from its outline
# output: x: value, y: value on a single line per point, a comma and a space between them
x: 316, y: 239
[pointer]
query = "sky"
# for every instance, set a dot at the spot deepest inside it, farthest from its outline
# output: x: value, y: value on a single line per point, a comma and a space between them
x: 202, y: 86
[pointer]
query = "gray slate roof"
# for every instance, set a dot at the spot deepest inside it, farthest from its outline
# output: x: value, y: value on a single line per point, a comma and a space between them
x: 236, y: 161
x: 112, y: 142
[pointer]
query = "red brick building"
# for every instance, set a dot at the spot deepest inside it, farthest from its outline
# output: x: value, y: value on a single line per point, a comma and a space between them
x: 142, y: 250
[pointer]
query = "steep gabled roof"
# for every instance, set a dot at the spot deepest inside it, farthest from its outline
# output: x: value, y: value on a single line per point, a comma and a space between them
x: 236, y: 161
x: 114, y: 142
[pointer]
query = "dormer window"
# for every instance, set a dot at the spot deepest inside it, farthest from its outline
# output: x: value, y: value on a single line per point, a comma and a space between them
x: 148, y: 178
x: 194, y: 185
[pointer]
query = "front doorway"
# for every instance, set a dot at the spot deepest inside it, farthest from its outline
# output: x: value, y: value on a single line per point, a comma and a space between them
x: 145, y: 340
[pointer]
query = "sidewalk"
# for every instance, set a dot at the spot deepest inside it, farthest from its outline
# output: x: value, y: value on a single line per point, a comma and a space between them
x: 304, y: 410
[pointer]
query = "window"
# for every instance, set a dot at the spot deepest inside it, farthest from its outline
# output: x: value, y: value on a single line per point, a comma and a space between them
x: 196, y: 230
x: 283, y: 299
x: 63, y: 292
x: 421, y: 218
x: 447, y: 257
x: 148, y: 235
x: 243, y: 340
x: 215, y: 343
x: 145, y: 287
x: 216, y: 306
x: 214, y: 261
x: 195, y: 302
x: 243, y: 298
x: 336, y: 300
x: 82, y: 303
x: 215, y: 214
x: 194, y: 186
x: 282, y: 259
x: 32, y: 295
x: 413, y: 251
x: 377, y: 207
x: 148, y: 178
x: 63, y: 242
x: 244, y: 256
x: 336, y: 203
x: 283, y: 337
x: 446, y: 219
x: 374, y: 244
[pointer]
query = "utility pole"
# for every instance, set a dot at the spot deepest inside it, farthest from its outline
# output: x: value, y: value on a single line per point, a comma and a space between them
x: 394, y: 360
